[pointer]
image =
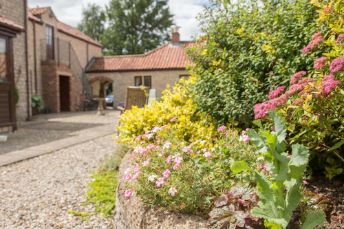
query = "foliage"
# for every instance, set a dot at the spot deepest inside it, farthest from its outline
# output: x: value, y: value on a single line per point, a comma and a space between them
x: 232, y: 209
x: 314, y: 105
x: 136, y: 26
x: 249, y: 48
x: 102, y: 191
x: 169, y: 171
x: 93, y: 21
x: 175, y: 108
x: 279, y: 186
x: 37, y: 102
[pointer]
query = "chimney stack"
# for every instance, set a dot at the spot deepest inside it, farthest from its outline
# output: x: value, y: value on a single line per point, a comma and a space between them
x: 175, y: 35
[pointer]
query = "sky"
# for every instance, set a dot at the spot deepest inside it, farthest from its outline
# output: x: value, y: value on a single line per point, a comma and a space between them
x: 185, y: 12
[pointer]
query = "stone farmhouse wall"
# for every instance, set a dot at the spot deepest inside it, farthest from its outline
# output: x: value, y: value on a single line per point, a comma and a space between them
x: 122, y: 80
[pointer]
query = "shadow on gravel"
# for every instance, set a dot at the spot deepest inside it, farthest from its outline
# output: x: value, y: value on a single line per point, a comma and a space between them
x: 41, y: 133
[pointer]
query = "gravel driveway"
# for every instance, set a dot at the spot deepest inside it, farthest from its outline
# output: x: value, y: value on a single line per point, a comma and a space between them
x: 38, y: 193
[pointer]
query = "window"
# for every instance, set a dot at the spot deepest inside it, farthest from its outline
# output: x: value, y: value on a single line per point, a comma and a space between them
x: 137, y: 81
x: 3, y: 60
x: 49, y: 40
x: 147, y: 81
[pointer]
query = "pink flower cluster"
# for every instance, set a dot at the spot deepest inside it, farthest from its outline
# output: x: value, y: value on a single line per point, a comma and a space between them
x: 340, y: 39
x: 161, y: 181
x: 131, y: 174
x: 222, y: 129
x: 177, y: 162
x: 128, y: 193
x: 277, y: 92
x: 244, y: 137
x: 262, y: 109
x: 187, y: 149
x: 316, y: 39
x: 337, y: 65
x: 329, y: 83
x: 297, y: 76
x: 320, y: 63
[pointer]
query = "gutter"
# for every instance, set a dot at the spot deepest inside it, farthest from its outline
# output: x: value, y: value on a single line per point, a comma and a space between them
x: 28, y: 97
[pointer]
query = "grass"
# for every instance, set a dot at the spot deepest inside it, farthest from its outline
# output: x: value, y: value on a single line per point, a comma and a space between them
x: 102, y: 189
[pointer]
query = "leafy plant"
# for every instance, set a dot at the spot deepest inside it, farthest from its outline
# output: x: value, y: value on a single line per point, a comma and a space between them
x: 279, y: 189
x: 37, y: 102
x: 102, y: 192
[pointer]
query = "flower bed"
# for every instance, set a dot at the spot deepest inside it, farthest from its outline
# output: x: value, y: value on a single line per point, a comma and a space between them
x: 134, y: 214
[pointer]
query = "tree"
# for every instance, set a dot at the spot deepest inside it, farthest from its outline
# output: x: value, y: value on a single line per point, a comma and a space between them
x: 136, y: 26
x: 93, y: 22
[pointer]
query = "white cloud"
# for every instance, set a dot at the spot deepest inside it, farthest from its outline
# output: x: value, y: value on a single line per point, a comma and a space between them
x: 185, y: 12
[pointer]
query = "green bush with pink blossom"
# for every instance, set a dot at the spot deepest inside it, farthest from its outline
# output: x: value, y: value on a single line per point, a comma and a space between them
x: 313, y: 102
x: 185, y: 177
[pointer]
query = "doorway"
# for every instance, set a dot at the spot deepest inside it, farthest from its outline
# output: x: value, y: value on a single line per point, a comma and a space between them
x: 64, y: 93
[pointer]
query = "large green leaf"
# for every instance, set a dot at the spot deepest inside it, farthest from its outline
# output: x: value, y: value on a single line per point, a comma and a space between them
x: 239, y: 167
x: 314, y: 218
x: 280, y: 127
x: 298, y: 161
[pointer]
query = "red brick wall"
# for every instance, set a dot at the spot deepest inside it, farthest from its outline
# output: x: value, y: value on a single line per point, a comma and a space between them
x: 51, y: 90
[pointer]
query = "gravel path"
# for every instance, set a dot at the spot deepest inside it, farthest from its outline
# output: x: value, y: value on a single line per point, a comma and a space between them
x: 38, y: 193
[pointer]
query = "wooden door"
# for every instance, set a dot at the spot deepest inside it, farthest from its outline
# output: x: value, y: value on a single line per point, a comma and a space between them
x: 64, y: 93
x: 7, y: 94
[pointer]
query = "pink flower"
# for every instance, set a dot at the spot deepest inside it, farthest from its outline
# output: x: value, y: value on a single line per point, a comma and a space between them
x: 297, y: 76
x: 140, y: 150
x: 128, y: 194
x: 187, y: 149
x: 174, y: 119
x: 329, y: 83
x: 166, y: 174
x: 244, y: 137
x: 277, y: 92
x: 138, y: 138
x: 146, y: 163
x: 337, y: 65
x: 207, y: 154
x: 340, y: 39
x: 172, y: 191
x: 169, y: 160
x: 150, y: 147
x: 222, y: 129
x: 298, y: 102
x: 160, y: 182
x: 320, y: 63
x: 262, y: 109
x: 316, y: 40
x: 148, y: 136
x: 127, y: 174
x: 167, y: 145
x: 177, y: 160
x: 155, y: 129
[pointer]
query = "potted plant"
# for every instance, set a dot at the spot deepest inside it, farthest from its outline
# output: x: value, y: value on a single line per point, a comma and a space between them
x: 36, y: 104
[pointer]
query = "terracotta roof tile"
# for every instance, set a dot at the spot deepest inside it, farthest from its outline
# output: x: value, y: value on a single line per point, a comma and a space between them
x: 166, y: 57
x: 67, y: 29
x: 38, y: 10
x: 10, y: 24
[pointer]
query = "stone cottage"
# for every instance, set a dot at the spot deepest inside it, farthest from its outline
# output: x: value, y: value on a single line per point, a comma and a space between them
x: 58, y: 55
x: 13, y: 65
x: 155, y: 69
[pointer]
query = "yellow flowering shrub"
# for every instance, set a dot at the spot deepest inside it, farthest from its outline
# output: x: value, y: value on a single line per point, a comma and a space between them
x: 175, y: 107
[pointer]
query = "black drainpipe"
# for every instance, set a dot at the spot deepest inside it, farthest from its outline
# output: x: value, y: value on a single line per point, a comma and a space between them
x: 28, y: 97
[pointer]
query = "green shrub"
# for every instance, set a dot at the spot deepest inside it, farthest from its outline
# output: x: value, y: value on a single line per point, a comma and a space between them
x: 249, y: 48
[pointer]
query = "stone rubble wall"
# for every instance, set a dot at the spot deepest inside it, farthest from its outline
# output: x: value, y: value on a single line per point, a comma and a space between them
x: 134, y: 214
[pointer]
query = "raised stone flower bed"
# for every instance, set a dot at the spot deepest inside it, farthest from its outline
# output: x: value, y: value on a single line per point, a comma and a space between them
x: 134, y: 214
